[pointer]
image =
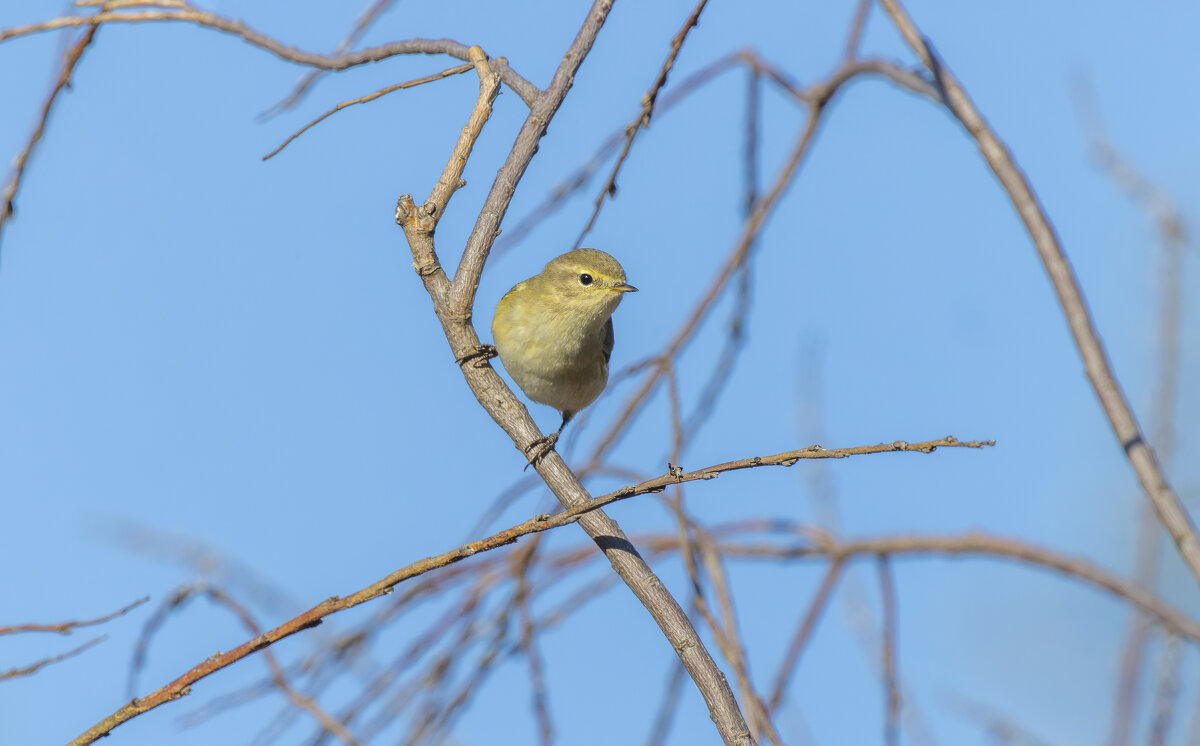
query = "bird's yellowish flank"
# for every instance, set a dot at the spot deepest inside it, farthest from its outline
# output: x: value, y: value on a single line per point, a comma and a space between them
x: 554, y: 331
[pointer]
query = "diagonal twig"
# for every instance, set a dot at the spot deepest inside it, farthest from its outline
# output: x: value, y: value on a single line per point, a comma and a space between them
x: 642, y: 120
x: 368, y: 17
x: 9, y: 195
x: 857, y: 26
x: 31, y: 669
x: 1173, y: 238
x: 787, y: 666
x: 66, y: 628
x: 370, y: 97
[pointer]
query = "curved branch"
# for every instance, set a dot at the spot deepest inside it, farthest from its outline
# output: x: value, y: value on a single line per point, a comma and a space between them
x: 1171, y: 512
x: 457, y: 70
x: 982, y: 545
x: 522, y: 87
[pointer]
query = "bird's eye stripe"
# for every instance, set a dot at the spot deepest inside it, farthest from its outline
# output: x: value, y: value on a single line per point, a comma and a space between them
x: 585, y: 279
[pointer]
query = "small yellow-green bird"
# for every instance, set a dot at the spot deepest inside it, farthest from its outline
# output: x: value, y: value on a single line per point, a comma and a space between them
x: 554, y: 331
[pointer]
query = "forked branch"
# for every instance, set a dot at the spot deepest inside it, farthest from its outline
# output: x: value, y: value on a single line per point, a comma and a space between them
x: 453, y: 303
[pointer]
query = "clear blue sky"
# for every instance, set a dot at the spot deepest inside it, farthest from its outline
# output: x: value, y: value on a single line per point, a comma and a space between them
x: 207, y: 346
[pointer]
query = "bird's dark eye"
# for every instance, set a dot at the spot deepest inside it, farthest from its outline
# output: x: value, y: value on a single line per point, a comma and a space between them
x: 585, y: 279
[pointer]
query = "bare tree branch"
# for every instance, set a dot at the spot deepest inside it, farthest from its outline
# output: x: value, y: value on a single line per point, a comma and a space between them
x: 453, y: 304
x: 1002, y: 728
x: 370, y: 97
x: 577, y: 513
x: 29, y: 670
x: 66, y: 628
x: 787, y: 667
x: 857, y: 26
x: 280, y: 681
x: 1166, y: 691
x: 187, y: 14
x: 643, y: 118
x: 976, y: 544
x: 368, y: 17
x: 1171, y: 512
x: 1173, y: 237
x: 891, y: 689
x: 74, y: 54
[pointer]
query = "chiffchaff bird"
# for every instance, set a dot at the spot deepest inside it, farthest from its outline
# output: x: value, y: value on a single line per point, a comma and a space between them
x: 554, y: 332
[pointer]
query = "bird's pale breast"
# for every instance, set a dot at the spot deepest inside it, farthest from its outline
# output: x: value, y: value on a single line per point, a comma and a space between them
x: 556, y: 358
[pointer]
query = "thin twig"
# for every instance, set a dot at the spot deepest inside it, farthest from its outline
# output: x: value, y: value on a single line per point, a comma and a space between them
x: 529, y: 646
x: 66, y: 628
x: 729, y: 637
x: 891, y: 689
x: 666, y: 710
x: 857, y: 26
x: 583, y: 175
x: 368, y: 17
x: 787, y: 666
x: 1002, y: 728
x: 522, y: 87
x: 750, y: 145
x: 437, y: 719
x: 74, y: 54
x: 176, y: 600
x: 1173, y: 237
x: 34, y: 668
x: 735, y: 336
x: 370, y: 97
x: 462, y: 613
x: 642, y: 120
x: 277, y: 676
x: 202, y: 559
x: 1166, y: 691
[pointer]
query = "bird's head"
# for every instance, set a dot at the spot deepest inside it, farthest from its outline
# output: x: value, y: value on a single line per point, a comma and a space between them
x: 587, y: 277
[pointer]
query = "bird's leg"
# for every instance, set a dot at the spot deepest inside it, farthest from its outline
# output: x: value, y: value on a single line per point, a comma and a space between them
x: 478, y: 356
x: 538, y: 449
x: 566, y: 418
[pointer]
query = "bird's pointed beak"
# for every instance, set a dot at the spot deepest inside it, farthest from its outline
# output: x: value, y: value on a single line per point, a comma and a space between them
x: 624, y: 287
